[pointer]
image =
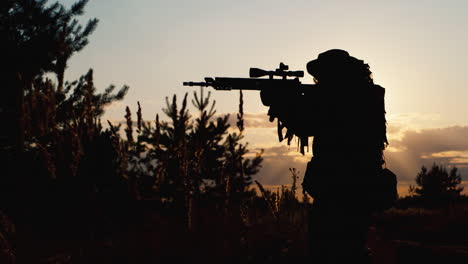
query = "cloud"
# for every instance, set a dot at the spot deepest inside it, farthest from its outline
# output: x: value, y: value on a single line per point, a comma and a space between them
x: 436, y: 140
x: 251, y: 120
x: 398, y: 124
x: 258, y: 120
x: 393, y: 129
x: 413, y: 143
x: 415, y: 118
x: 447, y: 146
x: 277, y: 161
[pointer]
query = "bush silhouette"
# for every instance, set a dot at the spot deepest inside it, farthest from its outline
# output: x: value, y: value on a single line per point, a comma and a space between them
x: 437, y: 186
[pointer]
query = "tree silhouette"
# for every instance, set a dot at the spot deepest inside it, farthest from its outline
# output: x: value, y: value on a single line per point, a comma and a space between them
x: 437, y: 185
x: 43, y: 116
x: 53, y: 150
x: 37, y: 39
x: 183, y: 161
x: 195, y: 155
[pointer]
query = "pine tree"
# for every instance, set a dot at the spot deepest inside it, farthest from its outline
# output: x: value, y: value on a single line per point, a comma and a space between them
x: 52, y: 130
x: 199, y: 156
x: 37, y: 39
x: 437, y: 185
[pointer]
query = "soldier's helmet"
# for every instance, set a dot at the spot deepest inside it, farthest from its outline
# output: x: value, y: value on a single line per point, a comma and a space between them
x: 328, y: 62
x: 337, y: 65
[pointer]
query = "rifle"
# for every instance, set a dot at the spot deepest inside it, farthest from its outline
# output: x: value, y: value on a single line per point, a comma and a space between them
x: 257, y: 83
x: 293, y: 86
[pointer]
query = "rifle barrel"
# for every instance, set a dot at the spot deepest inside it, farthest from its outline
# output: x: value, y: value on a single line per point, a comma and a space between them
x: 204, y: 84
x: 229, y: 83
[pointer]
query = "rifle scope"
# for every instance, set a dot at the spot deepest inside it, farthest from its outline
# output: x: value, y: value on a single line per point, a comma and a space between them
x: 281, y: 72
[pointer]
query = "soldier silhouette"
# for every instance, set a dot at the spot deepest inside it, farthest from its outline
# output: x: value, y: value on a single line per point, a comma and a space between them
x: 345, y: 114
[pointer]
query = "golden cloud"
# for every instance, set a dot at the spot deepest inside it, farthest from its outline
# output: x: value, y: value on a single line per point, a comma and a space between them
x: 251, y: 120
x: 277, y: 161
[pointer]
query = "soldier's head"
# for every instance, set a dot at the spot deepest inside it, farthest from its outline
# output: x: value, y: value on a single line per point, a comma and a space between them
x: 338, y: 67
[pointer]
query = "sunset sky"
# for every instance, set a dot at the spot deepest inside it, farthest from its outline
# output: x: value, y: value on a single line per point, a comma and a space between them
x: 417, y: 50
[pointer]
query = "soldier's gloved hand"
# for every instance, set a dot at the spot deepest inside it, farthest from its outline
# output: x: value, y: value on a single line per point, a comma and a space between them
x: 265, y: 97
x: 270, y: 96
x: 273, y: 113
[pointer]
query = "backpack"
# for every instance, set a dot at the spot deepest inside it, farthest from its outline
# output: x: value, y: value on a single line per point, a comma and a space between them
x: 382, y: 193
x: 385, y: 192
